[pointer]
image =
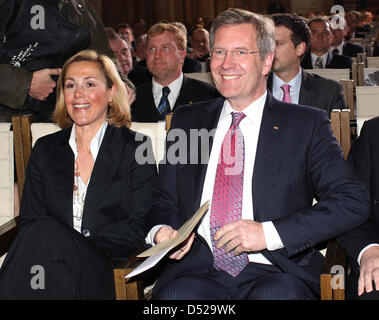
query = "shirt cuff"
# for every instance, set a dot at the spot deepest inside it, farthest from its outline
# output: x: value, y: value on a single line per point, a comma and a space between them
x: 273, y: 240
x: 365, y: 248
x: 150, y: 236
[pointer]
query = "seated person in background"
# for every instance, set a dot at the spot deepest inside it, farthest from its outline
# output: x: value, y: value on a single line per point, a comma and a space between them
x: 289, y: 82
x: 372, y: 79
x: 268, y: 160
x: 189, y: 65
x: 169, y: 88
x: 140, y: 49
x: 362, y: 244
x: 200, y: 45
x: 318, y: 56
x: 126, y: 32
x: 133, y: 76
x: 340, y: 45
x: 376, y: 46
x: 121, y: 49
x: 86, y: 194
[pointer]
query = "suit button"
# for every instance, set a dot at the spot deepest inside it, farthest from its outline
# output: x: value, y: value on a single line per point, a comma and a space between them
x: 86, y: 233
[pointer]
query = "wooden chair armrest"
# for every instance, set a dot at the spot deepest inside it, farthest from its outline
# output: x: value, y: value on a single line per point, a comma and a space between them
x: 131, y: 288
x: 8, y: 232
x: 335, y: 256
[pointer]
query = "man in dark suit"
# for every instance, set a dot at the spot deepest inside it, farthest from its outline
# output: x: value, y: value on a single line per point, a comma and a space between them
x: 267, y: 161
x: 362, y: 244
x: 292, y: 38
x: 339, y: 44
x: 169, y: 88
x: 318, y: 56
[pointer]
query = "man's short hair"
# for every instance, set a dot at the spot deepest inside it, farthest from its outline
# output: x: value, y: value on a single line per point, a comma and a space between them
x: 159, y: 28
x: 264, y: 26
x: 320, y: 19
x: 123, y: 26
x: 297, y: 25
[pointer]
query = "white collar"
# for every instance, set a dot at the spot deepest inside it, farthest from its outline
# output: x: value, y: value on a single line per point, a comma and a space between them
x: 295, y: 82
x: 253, y: 111
x: 324, y: 58
x: 95, y: 142
x: 174, y: 86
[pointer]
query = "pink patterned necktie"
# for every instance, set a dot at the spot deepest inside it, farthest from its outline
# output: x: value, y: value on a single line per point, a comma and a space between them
x: 227, y: 195
x: 286, y: 93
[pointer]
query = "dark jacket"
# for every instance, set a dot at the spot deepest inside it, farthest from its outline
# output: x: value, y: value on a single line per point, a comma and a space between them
x: 336, y: 61
x: 192, y: 90
x: 297, y: 159
x: 318, y: 92
x: 70, y: 30
x: 118, y: 195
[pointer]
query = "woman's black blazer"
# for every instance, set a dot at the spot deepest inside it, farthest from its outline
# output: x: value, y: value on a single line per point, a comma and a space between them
x: 118, y: 195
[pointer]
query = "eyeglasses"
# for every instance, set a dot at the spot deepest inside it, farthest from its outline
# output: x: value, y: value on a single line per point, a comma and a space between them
x: 236, y: 53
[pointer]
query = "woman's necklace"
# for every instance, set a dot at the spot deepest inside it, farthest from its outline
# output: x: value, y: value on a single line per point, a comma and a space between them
x: 79, y: 195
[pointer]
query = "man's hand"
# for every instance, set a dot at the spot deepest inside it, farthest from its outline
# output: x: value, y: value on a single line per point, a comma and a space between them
x: 369, y: 270
x: 42, y: 83
x: 241, y: 236
x: 168, y: 232
x: 198, y: 53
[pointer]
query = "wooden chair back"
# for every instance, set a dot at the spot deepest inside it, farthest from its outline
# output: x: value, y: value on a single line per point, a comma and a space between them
x: 367, y: 104
x: 334, y: 74
x: 7, y: 196
x: 6, y: 173
x: 372, y: 62
x: 348, y: 92
x: 332, y: 284
x: 340, y: 122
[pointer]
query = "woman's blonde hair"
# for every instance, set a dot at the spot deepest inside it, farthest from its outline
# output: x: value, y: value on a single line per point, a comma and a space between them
x: 118, y: 110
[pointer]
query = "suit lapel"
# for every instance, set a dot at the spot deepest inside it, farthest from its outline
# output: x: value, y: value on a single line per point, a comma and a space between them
x: 329, y: 60
x: 106, y: 165
x: 306, y: 63
x: 270, y: 81
x: 267, y: 148
x: 305, y: 95
x: 63, y: 173
x: 182, y: 97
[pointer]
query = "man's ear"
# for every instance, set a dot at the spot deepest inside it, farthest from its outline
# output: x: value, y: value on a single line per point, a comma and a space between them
x: 183, y: 54
x: 300, y: 49
x: 267, y: 63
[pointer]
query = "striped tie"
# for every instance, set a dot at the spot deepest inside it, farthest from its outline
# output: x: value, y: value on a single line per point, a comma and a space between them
x: 164, y: 104
x: 227, y: 195
x: 318, y: 63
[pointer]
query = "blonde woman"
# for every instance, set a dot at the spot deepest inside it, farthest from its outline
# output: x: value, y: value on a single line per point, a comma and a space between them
x: 85, y: 195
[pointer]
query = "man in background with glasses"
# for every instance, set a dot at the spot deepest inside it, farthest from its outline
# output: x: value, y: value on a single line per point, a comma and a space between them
x: 267, y: 162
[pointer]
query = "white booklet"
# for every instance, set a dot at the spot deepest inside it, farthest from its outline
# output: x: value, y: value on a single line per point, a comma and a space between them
x: 156, y: 253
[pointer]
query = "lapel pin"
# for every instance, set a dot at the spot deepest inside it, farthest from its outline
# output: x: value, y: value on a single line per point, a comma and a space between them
x: 190, y: 102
